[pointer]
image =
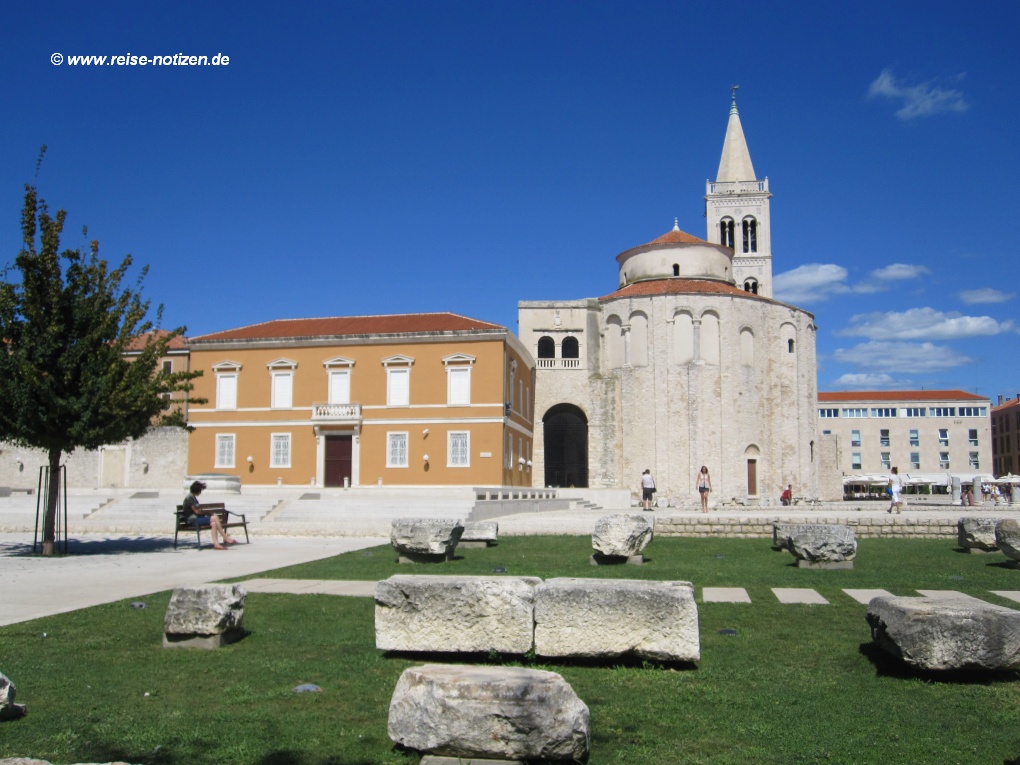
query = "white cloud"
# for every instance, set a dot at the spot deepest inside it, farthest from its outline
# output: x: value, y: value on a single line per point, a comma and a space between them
x: 921, y: 100
x: 901, y: 358
x: 870, y: 382
x: 811, y: 282
x: 923, y: 324
x: 898, y: 271
x: 986, y: 295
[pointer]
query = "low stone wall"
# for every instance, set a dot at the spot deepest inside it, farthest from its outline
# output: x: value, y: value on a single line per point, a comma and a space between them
x: 761, y: 526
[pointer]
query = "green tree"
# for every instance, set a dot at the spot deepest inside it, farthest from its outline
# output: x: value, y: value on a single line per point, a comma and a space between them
x: 65, y: 322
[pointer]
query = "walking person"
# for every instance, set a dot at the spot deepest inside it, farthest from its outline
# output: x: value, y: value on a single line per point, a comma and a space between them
x: 647, y: 488
x: 704, y: 487
x: 896, y: 487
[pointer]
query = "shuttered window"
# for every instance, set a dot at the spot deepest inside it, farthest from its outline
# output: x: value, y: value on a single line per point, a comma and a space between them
x: 283, y: 390
x: 460, y: 386
x: 226, y: 391
x: 398, y: 390
x: 340, y: 387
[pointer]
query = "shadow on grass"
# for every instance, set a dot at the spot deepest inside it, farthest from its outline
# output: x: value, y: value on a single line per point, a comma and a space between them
x: 887, y: 665
x: 1006, y: 564
x: 101, y: 546
x: 165, y: 756
x: 627, y: 661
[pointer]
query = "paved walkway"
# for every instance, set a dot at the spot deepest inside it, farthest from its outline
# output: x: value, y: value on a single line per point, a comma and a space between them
x: 105, y: 569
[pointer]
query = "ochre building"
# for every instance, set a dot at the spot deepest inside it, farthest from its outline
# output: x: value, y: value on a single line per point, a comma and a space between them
x: 413, y: 399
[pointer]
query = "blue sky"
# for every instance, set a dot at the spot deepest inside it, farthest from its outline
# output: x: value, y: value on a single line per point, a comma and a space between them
x: 389, y: 157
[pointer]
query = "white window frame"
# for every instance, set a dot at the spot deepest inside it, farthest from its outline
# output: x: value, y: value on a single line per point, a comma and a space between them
x: 915, y: 438
x: 339, y: 366
x: 458, y: 367
x: 855, y: 438
x: 886, y: 458
x: 943, y: 436
x: 227, y: 371
x: 281, y: 383
x: 393, y: 438
x: 975, y: 460
x: 855, y: 461
x: 398, y: 367
x: 972, y: 436
x: 915, y: 460
x: 337, y: 390
x: 225, y: 438
x: 943, y: 460
x: 462, y: 460
x: 279, y: 438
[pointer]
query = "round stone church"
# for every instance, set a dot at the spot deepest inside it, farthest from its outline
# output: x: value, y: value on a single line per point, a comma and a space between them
x: 690, y: 362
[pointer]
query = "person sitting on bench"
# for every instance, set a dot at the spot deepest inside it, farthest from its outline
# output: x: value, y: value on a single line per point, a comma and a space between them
x: 197, y: 517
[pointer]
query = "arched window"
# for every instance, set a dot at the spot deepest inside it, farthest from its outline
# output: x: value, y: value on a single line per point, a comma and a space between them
x: 789, y: 346
x: 726, y: 232
x: 750, y: 235
x: 747, y: 347
x: 676, y: 269
x: 546, y: 348
x: 571, y: 349
x: 709, y: 345
x: 683, y: 338
x: 614, y: 342
x: 638, y: 340
x: 751, y: 285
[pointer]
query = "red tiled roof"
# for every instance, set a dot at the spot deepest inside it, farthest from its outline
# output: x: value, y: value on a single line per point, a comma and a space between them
x: 899, y: 395
x: 676, y: 236
x: 680, y: 287
x: 335, y: 326
x: 179, y: 343
x: 1006, y: 404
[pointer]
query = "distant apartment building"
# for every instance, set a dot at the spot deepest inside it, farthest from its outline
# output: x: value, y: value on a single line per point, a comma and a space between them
x: 1006, y: 436
x: 924, y: 431
x: 177, y: 359
x: 432, y: 399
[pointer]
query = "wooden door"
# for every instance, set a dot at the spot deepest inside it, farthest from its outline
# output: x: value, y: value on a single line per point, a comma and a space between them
x: 338, y: 460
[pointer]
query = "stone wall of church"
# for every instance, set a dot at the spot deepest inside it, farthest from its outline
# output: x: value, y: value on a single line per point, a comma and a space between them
x: 673, y: 416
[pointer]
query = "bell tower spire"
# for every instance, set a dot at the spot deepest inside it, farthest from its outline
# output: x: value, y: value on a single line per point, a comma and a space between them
x: 737, y: 210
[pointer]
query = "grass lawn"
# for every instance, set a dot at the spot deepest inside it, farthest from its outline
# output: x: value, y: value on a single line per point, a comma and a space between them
x: 796, y: 684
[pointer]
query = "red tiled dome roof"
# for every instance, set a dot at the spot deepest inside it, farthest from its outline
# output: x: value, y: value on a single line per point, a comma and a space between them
x: 680, y: 287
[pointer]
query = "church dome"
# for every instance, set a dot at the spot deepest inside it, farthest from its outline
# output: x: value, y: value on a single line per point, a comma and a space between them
x: 676, y: 254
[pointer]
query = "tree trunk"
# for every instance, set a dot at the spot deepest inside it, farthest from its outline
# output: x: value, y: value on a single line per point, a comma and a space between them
x: 52, y: 494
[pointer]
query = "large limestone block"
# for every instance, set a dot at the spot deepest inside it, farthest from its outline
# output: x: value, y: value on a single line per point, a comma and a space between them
x: 479, y: 534
x: 204, y: 616
x: 455, y: 613
x: 612, y: 617
x: 1007, y: 538
x: 976, y: 534
x: 823, y: 543
x: 9, y: 710
x: 508, y: 713
x: 946, y: 632
x: 425, y: 536
x: 621, y: 536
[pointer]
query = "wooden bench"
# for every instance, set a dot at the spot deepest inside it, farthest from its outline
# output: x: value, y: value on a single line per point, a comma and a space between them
x: 209, y: 508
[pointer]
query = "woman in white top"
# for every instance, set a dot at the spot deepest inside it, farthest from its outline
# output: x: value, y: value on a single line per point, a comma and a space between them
x: 704, y: 487
x: 896, y: 484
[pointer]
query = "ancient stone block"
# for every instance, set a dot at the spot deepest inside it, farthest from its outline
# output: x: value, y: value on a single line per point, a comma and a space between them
x: 937, y: 633
x: 479, y: 534
x: 204, y: 616
x: 425, y: 539
x: 9, y: 710
x: 976, y: 534
x: 1007, y: 538
x: 621, y: 535
x: 825, y: 544
x: 455, y: 613
x: 509, y: 713
x: 613, y: 617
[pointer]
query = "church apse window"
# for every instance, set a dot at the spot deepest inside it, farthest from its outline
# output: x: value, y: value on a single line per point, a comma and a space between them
x: 676, y: 269
x: 638, y: 340
x: 789, y: 346
x: 726, y: 232
x: 614, y: 342
x: 683, y: 338
x: 750, y: 226
x: 709, y: 345
x: 747, y: 347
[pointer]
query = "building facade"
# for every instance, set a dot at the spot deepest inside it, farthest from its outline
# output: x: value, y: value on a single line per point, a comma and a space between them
x: 414, y: 399
x: 926, y: 431
x: 689, y: 362
x: 1006, y: 436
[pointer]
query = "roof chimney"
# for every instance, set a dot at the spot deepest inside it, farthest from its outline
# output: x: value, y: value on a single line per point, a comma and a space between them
x: 1000, y: 399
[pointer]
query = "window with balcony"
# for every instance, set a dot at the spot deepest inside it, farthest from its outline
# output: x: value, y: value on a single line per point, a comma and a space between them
x: 279, y: 456
x: 571, y: 348
x: 396, y: 450
x: 546, y: 347
x: 224, y: 450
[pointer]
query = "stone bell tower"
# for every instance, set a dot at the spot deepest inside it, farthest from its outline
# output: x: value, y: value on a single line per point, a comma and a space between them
x: 737, y: 211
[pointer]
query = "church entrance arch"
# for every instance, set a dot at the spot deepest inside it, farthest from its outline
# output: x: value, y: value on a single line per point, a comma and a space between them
x: 565, y: 435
